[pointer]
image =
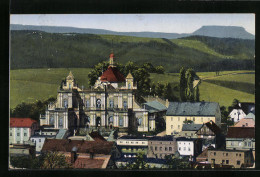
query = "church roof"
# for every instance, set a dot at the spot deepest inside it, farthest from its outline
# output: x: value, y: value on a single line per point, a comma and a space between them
x: 112, y: 74
x: 70, y: 76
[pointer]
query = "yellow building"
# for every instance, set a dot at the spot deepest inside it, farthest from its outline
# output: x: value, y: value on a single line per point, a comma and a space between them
x: 197, y: 112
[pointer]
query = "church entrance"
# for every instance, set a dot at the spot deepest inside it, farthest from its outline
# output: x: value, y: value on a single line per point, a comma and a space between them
x: 98, y: 122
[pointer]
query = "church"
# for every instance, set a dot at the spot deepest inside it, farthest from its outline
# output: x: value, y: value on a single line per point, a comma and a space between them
x: 110, y: 104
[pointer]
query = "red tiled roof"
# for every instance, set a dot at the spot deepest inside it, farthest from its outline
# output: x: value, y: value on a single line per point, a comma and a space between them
x: 97, y: 137
x: 21, y: 122
x: 241, y: 132
x: 88, y: 163
x: 112, y: 74
x: 65, y: 145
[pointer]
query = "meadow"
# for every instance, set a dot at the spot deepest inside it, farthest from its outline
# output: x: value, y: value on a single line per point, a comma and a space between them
x: 29, y: 85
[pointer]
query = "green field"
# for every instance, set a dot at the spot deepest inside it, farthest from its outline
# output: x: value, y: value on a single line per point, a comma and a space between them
x: 29, y: 85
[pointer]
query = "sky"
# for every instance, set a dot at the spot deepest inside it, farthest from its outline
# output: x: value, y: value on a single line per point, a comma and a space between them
x: 169, y: 23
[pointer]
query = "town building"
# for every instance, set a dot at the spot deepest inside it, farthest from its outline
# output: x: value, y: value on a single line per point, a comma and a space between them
x: 236, y: 158
x: 22, y: 150
x: 189, y: 147
x: 248, y: 121
x: 241, y: 110
x: 84, y: 154
x: 189, y: 130
x: 111, y: 103
x: 39, y: 140
x: 198, y: 112
x: 21, y: 129
x: 211, y: 135
x: 240, y: 138
x: 159, y: 147
x: 130, y: 146
x: 156, y: 115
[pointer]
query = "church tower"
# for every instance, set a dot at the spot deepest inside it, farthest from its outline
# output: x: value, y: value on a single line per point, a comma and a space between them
x: 129, y: 81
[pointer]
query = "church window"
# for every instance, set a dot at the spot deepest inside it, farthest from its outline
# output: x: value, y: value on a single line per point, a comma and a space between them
x: 129, y: 86
x: 110, y: 120
x: 87, y: 104
x: 125, y: 104
x: 121, y: 121
x: 70, y: 86
x: 65, y: 104
x: 51, y: 121
x: 60, y: 122
x: 111, y: 103
x: 140, y: 120
x: 98, y: 103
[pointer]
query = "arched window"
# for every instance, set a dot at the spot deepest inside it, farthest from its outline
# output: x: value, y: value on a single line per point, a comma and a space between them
x: 60, y: 122
x: 87, y: 104
x: 125, y: 104
x: 110, y: 119
x: 65, y: 103
x: 51, y: 122
x: 129, y: 86
x: 98, y: 103
x: 70, y: 86
x: 111, y: 103
x: 121, y: 121
x: 140, y: 121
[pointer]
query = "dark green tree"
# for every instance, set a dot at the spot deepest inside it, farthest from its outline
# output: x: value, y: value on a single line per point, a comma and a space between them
x: 160, y: 69
x: 189, y: 89
x: 167, y: 91
x: 183, y: 84
x: 97, y: 72
x: 197, y: 93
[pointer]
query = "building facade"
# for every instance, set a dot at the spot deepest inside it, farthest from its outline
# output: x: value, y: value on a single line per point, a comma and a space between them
x: 197, y: 112
x: 21, y: 129
x: 110, y: 103
x: 236, y: 158
x: 159, y: 147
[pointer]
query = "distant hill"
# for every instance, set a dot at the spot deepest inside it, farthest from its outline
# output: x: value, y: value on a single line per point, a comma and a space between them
x: 36, y: 49
x: 224, y: 32
x: 212, y: 31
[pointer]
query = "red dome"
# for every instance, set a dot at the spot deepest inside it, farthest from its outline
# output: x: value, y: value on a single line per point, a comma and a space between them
x: 112, y: 74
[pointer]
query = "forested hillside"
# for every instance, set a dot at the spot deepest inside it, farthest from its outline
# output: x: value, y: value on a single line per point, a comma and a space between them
x: 36, y: 49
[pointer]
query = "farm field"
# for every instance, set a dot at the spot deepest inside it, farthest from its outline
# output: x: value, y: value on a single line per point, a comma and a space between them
x: 29, y: 85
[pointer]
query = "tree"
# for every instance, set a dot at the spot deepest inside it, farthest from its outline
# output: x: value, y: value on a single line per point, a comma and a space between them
x: 225, y: 116
x: 197, y: 93
x: 160, y: 69
x: 142, y: 77
x: 139, y: 163
x: 55, y: 160
x: 149, y: 67
x: 183, y: 84
x: 189, y: 89
x: 235, y: 102
x: 96, y: 72
x: 167, y: 91
x: 176, y: 162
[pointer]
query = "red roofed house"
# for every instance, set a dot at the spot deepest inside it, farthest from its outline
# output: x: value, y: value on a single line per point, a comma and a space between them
x: 21, y: 129
x: 109, y: 104
x: 84, y: 154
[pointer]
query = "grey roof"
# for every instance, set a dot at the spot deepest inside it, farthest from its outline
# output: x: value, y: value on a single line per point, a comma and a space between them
x: 155, y: 106
x: 191, y: 127
x: 192, y: 109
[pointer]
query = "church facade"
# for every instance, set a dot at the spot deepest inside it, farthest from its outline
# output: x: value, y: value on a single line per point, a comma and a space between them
x: 110, y: 103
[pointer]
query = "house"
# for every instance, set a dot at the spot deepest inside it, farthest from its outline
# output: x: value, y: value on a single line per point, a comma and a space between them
x: 236, y: 158
x: 203, y: 157
x: 240, y: 138
x: 39, y: 140
x: 241, y: 110
x: 159, y: 147
x: 130, y: 146
x: 248, y: 121
x: 84, y: 154
x: 22, y: 150
x: 111, y: 103
x: 198, y: 112
x: 190, y: 147
x: 21, y: 129
x: 211, y: 135
x: 156, y: 115
x: 189, y: 130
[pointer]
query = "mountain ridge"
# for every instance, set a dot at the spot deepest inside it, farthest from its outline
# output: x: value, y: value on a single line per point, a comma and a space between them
x: 226, y: 31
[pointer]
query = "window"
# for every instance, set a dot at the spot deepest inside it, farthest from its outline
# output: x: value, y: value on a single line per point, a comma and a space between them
x: 151, y: 147
x: 191, y: 134
x: 155, y: 148
x: 178, y: 118
x: 223, y: 161
x: 226, y: 154
x: 171, y: 126
x: 110, y: 120
x: 98, y: 103
x: 18, y: 134
x: 238, y: 162
x: 170, y: 148
x: 18, y: 142
x: 171, y: 118
x: 111, y: 103
x: 214, y: 153
x: 179, y: 148
x: 188, y: 148
x: 245, y: 143
x: 121, y: 121
x: 70, y: 86
x: 51, y: 120
x: 249, y: 144
x: 11, y: 134
x: 40, y: 140
x: 65, y: 103
x: 184, y: 148
x: 140, y: 121
x: 179, y: 126
x: 201, y: 119
x: 87, y: 104
x: 125, y: 104
x: 25, y: 134
x: 185, y: 134
x: 142, y: 142
x: 236, y: 154
x: 246, y: 124
x: 239, y: 155
x: 160, y: 148
x: 129, y: 86
x: 166, y: 149
x: 227, y: 161
x: 60, y: 122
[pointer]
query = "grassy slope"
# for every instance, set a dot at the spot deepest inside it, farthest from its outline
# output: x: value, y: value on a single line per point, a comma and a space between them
x: 30, y: 84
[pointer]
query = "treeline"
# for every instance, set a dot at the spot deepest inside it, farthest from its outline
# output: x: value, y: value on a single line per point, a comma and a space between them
x: 36, y: 49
